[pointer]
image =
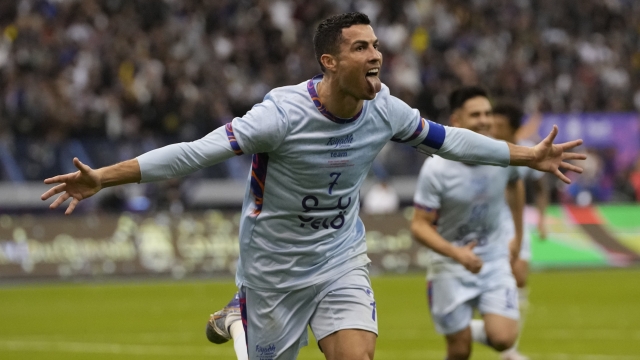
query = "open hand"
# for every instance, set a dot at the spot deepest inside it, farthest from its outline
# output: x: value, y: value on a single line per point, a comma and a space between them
x: 550, y: 157
x: 78, y: 186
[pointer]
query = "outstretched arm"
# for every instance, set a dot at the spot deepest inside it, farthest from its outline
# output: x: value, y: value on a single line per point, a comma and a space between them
x: 168, y: 162
x: 547, y: 156
x: 467, y: 146
x: 86, y: 182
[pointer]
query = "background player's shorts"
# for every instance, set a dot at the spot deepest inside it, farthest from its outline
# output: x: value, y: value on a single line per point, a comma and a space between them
x: 453, y: 298
x: 277, y: 321
x: 525, y: 247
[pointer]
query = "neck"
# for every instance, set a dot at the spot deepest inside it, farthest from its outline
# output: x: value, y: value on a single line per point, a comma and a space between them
x: 336, y: 100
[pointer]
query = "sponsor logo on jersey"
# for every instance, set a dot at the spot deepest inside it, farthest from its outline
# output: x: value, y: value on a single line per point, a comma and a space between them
x: 340, y: 142
x: 266, y: 352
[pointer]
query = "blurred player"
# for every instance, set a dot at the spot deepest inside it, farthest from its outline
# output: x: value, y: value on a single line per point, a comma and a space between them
x: 457, y: 215
x: 303, y: 258
x: 226, y: 324
x: 507, y: 118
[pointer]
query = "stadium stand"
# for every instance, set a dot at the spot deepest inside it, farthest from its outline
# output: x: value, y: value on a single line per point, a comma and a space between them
x: 106, y: 80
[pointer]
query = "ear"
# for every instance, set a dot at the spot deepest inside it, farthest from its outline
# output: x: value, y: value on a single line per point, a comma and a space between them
x: 329, y: 61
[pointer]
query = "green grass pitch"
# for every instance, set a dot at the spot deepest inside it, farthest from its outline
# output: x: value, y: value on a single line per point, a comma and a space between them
x: 589, y: 314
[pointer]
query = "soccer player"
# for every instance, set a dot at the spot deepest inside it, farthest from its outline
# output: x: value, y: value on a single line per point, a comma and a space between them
x: 457, y: 216
x: 303, y: 254
x: 507, y: 119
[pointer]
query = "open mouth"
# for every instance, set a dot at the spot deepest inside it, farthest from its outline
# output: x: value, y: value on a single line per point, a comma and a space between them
x: 373, y: 72
x: 373, y: 80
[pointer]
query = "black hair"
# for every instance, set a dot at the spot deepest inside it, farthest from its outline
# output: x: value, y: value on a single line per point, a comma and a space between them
x: 511, y: 111
x: 328, y: 35
x: 461, y: 95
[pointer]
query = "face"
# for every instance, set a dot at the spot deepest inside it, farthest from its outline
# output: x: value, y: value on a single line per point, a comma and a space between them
x: 475, y: 115
x: 357, y: 66
x: 501, y: 128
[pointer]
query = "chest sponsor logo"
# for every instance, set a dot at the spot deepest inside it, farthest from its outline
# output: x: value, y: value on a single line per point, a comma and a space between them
x: 334, y: 221
x: 341, y: 142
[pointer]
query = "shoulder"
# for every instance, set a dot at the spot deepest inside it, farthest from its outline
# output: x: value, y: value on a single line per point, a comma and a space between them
x: 283, y: 93
x: 285, y: 97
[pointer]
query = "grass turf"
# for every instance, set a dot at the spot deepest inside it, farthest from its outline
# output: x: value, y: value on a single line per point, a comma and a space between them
x: 590, y: 314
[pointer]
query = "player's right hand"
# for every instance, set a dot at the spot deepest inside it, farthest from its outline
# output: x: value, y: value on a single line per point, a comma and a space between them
x: 78, y: 185
x: 468, y: 259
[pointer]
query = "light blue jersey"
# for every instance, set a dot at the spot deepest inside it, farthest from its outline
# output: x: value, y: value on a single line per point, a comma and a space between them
x: 469, y: 201
x: 300, y: 219
x: 300, y: 222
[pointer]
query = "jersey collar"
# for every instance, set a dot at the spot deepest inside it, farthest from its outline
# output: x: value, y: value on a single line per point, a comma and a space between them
x: 323, y: 110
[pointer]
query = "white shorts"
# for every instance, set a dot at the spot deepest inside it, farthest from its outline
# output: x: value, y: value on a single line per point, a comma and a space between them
x: 276, y: 322
x: 452, y: 298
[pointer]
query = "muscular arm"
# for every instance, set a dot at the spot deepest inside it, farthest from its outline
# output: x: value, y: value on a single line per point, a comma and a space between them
x: 467, y: 146
x: 125, y: 172
x: 424, y: 232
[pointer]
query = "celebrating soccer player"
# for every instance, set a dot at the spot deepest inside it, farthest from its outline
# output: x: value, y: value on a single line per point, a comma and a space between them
x: 303, y: 257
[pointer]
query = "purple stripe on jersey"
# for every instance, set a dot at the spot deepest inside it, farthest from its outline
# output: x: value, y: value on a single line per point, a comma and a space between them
x: 425, y: 208
x: 435, y: 136
x: 421, y: 123
x: 429, y: 293
x: 323, y: 110
x: 428, y: 209
x: 232, y: 139
x: 258, y: 177
x: 243, y: 316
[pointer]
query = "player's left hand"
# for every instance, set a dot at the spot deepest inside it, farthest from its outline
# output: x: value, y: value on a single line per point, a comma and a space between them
x: 514, y: 251
x: 550, y: 157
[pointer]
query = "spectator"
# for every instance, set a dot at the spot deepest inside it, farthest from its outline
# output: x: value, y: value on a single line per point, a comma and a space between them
x: 126, y: 75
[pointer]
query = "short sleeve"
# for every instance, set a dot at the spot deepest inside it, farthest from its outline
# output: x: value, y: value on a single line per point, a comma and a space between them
x: 261, y: 130
x: 428, y: 188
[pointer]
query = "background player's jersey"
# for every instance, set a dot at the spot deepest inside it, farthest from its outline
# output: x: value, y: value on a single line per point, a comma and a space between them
x: 300, y: 222
x: 469, y: 200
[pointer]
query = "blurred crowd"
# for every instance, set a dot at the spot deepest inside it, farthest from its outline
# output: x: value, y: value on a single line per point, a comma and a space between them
x: 106, y: 80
